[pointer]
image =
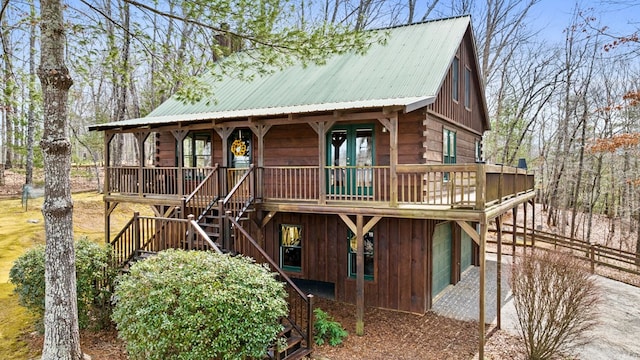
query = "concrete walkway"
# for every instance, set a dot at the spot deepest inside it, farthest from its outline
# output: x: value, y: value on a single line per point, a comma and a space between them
x: 616, y: 337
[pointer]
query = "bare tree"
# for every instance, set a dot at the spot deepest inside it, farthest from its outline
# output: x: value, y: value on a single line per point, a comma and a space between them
x: 61, y: 334
x: 556, y: 302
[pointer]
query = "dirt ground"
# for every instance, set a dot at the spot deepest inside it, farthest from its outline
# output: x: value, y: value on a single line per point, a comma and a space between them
x: 388, y: 334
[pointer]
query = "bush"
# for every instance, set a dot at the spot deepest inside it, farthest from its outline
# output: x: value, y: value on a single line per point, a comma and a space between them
x: 198, y: 305
x: 92, y: 268
x: 327, y: 330
x: 556, y: 302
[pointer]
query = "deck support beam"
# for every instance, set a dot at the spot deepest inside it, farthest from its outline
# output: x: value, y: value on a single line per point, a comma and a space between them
x: 499, y: 273
x: 359, y: 228
x: 481, y: 305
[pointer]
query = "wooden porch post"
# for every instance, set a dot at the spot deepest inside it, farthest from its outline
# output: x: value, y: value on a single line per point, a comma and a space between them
x: 514, y: 238
x: 533, y: 223
x: 321, y: 129
x: 524, y: 232
x: 359, y: 277
x: 359, y: 228
x: 481, y: 320
x: 107, y: 185
x: 391, y: 124
x: 260, y: 130
x: 499, y: 272
x: 141, y: 137
x: 179, y: 135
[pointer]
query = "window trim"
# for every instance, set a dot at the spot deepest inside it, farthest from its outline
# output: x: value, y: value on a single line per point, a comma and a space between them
x: 467, y: 88
x: 281, y: 248
x: 447, y: 157
x: 455, y: 79
x: 351, y: 272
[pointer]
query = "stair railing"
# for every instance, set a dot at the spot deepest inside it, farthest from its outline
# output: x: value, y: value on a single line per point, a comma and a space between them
x: 154, y: 234
x: 241, y: 195
x: 300, y: 304
x: 125, y: 243
x: 204, y: 196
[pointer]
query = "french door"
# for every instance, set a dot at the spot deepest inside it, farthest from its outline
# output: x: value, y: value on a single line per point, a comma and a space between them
x: 350, y: 155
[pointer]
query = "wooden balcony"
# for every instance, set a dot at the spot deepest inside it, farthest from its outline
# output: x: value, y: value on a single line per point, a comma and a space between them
x: 412, y: 187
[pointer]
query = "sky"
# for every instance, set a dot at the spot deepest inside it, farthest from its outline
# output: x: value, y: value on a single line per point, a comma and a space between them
x: 553, y: 16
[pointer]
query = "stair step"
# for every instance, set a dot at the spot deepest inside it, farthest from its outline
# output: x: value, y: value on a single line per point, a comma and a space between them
x: 298, y: 354
x: 285, y: 332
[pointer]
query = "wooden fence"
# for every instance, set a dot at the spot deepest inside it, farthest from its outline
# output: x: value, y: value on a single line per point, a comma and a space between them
x: 596, y: 254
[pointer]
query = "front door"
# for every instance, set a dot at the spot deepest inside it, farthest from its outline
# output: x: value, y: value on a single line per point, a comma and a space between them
x: 350, y: 157
x: 240, y: 148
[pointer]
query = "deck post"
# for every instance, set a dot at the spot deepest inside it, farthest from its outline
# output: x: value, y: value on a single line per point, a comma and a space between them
x: 190, y: 230
x: 393, y: 159
x: 136, y: 230
x: 514, y: 237
x: 359, y: 276
x: 481, y: 320
x: 524, y: 229
x: 179, y: 135
x: 499, y: 273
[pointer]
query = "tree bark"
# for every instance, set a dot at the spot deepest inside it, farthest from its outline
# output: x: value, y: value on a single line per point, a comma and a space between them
x: 31, y: 112
x: 61, y: 334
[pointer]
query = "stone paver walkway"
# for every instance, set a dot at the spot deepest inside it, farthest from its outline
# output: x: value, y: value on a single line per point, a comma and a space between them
x: 616, y: 337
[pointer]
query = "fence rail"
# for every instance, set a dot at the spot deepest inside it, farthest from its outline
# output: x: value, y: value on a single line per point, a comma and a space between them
x: 596, y: 254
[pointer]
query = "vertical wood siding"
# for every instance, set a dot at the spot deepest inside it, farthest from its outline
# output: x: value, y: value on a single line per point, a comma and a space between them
x: 402, y: 254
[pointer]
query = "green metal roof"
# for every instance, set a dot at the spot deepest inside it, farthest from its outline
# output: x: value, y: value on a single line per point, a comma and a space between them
x: 408, y: 71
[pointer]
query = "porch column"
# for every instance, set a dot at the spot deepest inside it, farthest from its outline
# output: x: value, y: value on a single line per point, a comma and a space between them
x: 499, y: 272
x: 179, y: 135
x: 141, y: 137
x: 260, y: 130
x: 533, y: 223
x: 514, y: 238
x: 391, y: 124
x: 359, y: 228
x: 107, y: 184
x: 321, y: 129
x: 481, y: 320
x: 524, y: 232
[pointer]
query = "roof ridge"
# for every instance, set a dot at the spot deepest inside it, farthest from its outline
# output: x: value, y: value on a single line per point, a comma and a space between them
x: 422, y: 22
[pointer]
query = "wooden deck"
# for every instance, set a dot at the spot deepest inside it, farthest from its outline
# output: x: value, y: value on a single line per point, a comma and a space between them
x: 457, y: 192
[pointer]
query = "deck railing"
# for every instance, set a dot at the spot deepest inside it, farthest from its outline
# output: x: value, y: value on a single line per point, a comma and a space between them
x: 204, y: 195
x: 469, y: 186
x: 144, y: 181
x: 300, y: 316
x: 153, y: 234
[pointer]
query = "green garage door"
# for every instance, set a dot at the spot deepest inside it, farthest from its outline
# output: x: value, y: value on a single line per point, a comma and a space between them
x: 465, y: 251
x: 441, y: 258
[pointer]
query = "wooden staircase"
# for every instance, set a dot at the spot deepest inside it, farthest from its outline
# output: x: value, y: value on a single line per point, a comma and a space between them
x: 214, y: 223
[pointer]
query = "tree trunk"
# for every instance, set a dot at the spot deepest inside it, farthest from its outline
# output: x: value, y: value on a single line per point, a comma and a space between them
x: 30, y: 114
x: 61, y: 334
x: 9, y: 95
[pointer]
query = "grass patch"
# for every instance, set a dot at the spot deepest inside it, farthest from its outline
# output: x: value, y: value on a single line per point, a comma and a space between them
x: 20, y: 230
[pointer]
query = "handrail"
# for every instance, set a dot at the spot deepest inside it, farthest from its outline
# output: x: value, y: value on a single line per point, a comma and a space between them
x: 144, y: 233
x: 205, y: 195
x: 266, y: 256
x: 239, y: 183
x: 213, y: 172
x: 307, y: 300
x: 124, y: 228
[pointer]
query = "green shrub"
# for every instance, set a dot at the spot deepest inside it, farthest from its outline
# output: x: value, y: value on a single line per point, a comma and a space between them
x: 92, y: 268
x: 198, y: 305
x: 328, y: 330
